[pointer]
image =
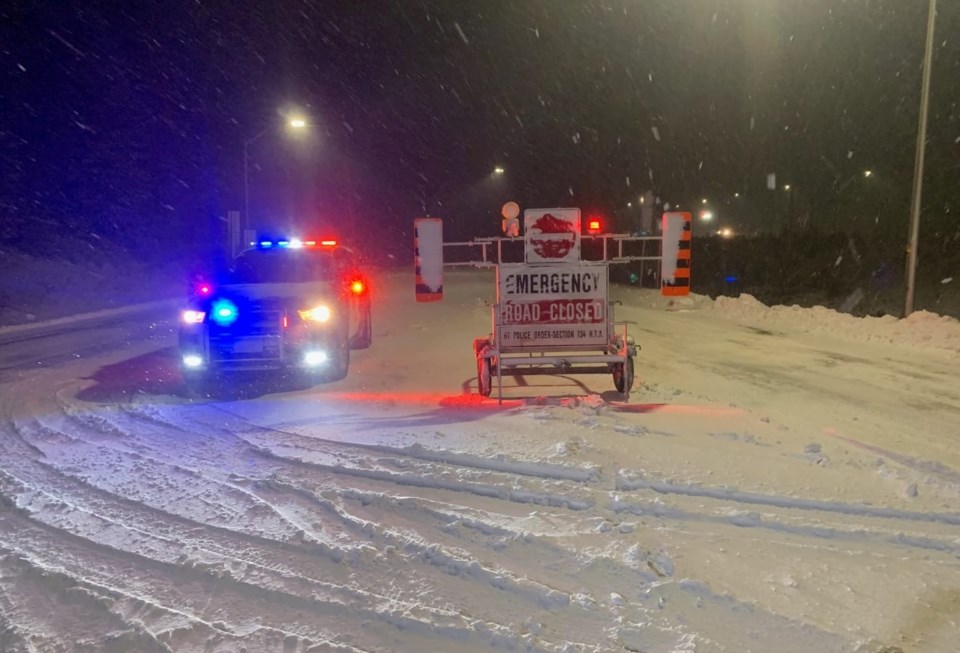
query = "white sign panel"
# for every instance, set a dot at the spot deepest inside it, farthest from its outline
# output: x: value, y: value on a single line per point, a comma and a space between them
x: 551, y: 235
x: 553, y: 305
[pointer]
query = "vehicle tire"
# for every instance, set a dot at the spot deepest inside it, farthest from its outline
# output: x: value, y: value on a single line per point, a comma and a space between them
x: 364, y: 338
x: 341, y: 361
x: 484, y: 378
x: 198, y: 385
x: 623, y: 376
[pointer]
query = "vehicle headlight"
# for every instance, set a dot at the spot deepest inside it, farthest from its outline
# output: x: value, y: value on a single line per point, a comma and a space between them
x: 321, y: 313
x: 193, y: 317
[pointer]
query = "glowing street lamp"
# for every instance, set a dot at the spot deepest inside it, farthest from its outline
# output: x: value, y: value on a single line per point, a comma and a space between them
x: 786, y: 187
x: 498, y: 170
x: 868, y: 173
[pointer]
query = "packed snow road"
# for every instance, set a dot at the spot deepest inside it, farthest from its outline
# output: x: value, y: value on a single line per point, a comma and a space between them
x: 781, y: 480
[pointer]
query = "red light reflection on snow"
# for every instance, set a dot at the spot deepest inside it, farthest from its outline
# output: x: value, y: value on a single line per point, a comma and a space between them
x: 477, y: 402
x: 469, y: 401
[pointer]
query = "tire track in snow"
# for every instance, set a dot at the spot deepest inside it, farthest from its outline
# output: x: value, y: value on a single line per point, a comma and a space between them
x: 451, y: 563
x: 447, y: 563
x: 470, y: 569
x: 242, y: 596
x: 783, y: 522
x: 403, y: 469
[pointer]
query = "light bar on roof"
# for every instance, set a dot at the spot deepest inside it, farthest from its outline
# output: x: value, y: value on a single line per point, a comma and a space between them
x: 291, y: 243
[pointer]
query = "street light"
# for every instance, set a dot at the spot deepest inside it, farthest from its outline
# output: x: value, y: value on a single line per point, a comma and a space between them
x: 868, y: 173
x: 786, y: 187
x: 498, y: 170
x: 296, y: 123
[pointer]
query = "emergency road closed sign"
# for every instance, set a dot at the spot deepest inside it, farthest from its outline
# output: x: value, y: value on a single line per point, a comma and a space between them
x: 553, y: 305
x: 554, y: 311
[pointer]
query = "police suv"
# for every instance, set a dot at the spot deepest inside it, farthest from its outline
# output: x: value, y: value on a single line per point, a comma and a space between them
x: 293, y: 305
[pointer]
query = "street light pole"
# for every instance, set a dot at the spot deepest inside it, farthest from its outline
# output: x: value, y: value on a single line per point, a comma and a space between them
x: 246, y: 175
x: 918, y: 163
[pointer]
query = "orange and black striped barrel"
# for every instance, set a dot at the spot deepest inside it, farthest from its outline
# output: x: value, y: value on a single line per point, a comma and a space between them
x: 676, y: 254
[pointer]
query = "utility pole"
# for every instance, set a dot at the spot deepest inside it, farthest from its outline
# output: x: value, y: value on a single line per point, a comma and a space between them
x: 918, y: 164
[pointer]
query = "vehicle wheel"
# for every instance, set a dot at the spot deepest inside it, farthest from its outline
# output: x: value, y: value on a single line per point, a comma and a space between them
x: 484, y: 380
x: 198, y: 385
x: 341, y: 361
x: 364, y: 338
x: 623, y: 376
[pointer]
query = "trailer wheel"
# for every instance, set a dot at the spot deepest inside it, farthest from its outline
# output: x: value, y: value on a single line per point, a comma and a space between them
x: 484, y: 381
x: 479, y: 344
x: 623, y: 376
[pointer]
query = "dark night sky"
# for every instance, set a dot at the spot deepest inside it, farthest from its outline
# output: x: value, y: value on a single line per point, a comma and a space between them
x: 120, y: 116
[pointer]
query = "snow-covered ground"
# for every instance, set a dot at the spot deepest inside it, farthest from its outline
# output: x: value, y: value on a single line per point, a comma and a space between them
x: 781, y: 480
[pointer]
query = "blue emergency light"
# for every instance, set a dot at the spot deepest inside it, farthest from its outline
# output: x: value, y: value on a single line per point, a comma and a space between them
x: 223, y: 312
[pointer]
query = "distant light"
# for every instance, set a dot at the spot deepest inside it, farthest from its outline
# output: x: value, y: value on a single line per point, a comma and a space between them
x: 736, y: 194
x: 641, y: 199
x: 498, y: 170
x: 730, y: 279
x: 726, y: 232
x: 314, y: 358
x: 204, y: 289
x: 594, y: 226
x: 357, y: 287
x: 706, y: 216
x: 703, y: 201
x: 786, y: 187
x: 868, y: 173
x: 629, y: 204
x: 192, y: 360
x: 298, y: 123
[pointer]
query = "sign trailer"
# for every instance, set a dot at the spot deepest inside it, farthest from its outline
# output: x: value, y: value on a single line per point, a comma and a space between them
x: 553, y: 313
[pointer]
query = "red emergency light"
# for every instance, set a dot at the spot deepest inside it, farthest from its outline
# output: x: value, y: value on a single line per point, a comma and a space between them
x: 594, y: 226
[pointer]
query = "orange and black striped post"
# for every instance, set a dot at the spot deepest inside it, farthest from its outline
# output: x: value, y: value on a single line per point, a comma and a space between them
x: 675, y: 262
x: 428, y: 258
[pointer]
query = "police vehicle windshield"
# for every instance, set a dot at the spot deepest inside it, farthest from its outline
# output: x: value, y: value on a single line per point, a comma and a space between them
x: 281, y: 266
